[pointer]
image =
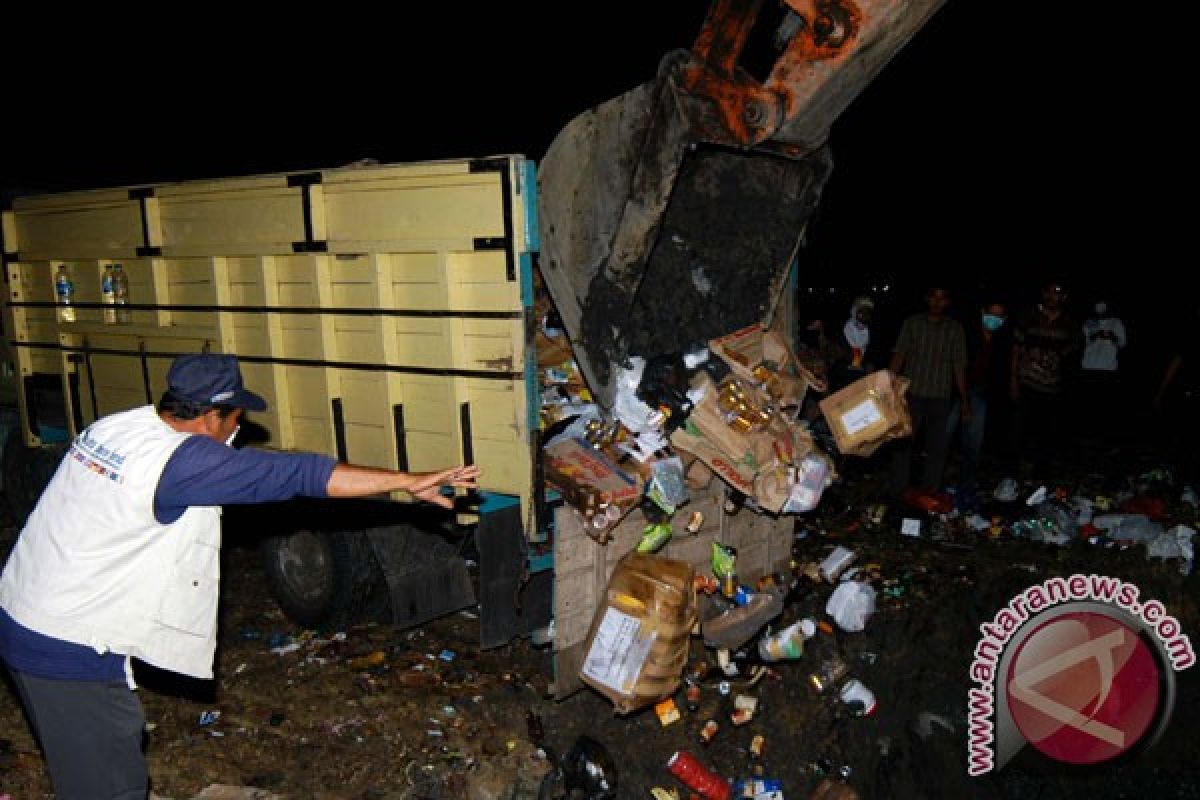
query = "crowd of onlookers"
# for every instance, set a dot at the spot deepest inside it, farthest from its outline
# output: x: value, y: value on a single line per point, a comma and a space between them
x: 1015, y: 386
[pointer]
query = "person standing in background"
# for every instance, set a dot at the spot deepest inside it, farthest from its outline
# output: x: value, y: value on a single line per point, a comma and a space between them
x: 930, y: 351
x: 1104, y: 338
x: 989, y: 357
x: 1044, y: 337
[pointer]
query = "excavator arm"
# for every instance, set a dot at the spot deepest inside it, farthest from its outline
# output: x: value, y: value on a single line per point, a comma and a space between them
x: 671, y: 214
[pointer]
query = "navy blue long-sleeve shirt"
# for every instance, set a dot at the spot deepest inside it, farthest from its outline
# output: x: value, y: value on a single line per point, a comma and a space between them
x: 201, y: 472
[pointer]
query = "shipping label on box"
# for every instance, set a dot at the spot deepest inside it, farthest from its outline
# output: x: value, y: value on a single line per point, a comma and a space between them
x: 868, y: 412
x: 618, y: 652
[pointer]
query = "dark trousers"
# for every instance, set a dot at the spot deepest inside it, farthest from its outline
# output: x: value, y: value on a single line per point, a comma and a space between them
x: 930, y: 418
x: 1100, y: 401
x: 972, y: 438
x: 91, y: 736
x: 1038, y: 431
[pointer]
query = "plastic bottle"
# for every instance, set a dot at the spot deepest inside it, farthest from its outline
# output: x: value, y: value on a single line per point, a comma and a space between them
x: 108, y: 296
x: 830, y: 673
x: 788, y: 643
x: 64, y: 293
x: 687, y: 768
x: 120, y: 283
x: 858, y: 697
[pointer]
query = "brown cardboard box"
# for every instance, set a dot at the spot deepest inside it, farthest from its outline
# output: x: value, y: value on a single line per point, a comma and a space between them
x: 752, y: 347
x: 754, y: 463
x: 552, y: 351
x: 868, y: 412
x: 575, y: 468
x: 638, y: 643
x: 736, y: 473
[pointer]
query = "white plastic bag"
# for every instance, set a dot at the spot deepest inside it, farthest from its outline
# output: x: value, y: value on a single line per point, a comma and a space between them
x: 850, y: 605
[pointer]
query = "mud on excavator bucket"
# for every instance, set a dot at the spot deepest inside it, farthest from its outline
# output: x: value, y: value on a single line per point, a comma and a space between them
x: 671, y: 214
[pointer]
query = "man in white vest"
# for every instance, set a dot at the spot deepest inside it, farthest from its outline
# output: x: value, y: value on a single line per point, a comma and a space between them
x: 120, y: 560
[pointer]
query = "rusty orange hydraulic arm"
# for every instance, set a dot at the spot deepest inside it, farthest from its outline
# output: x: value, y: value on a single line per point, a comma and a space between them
x: 671, y: 214
x: 829, y: 50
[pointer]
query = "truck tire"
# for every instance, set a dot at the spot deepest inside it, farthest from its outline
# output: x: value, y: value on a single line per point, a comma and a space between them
x: 27, y: 470
x: 325, y: 579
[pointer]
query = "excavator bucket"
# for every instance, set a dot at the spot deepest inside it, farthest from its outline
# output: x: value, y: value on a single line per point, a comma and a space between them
x: 671, y: 214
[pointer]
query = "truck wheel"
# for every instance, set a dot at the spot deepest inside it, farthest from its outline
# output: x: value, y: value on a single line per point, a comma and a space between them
x: 27, y: 470
x: 325, y: 579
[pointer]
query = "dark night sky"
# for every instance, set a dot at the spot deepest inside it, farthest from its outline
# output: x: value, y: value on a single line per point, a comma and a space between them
x: 1004, y: 143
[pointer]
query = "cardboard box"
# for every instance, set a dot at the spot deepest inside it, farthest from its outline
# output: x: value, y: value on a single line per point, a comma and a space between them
x: 638, y: 644
x: 754, y: 346
x: 576, y: 469
x: 737, y: 474
x: 868, y: 412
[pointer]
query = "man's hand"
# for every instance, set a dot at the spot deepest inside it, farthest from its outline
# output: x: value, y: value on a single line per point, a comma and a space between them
x: 349, y: 480
x: 427, y: 485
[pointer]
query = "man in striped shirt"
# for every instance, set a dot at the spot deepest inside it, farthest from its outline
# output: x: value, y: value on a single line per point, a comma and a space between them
x: 931, y: 351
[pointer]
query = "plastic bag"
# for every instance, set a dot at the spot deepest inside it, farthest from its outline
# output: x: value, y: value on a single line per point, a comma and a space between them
x: 850, y: 605
x: 812, y: 476
x: 1006, y: 492
x: 668, y: 487
x: 1128, y: 527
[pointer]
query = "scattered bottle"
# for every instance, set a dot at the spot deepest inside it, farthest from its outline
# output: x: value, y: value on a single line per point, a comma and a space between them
x: 108, y: 296
x: 788, y: 643
x: 688, y: 769
x: 64, y: 293
x: 830, y: 673
x: 121, y: 295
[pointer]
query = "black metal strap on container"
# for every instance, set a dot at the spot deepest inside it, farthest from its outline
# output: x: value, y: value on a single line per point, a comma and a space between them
x: 441, y: 372
x: 91, y: 377
x: 401, y: 437
x: 143, y: 194
x: 306, y: 181
x: 468, y: 447
x: 145, y: 372
x: 505, y: 243
x: 339, y: 429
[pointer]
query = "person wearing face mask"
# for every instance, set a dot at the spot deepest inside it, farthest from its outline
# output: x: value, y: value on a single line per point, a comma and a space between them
x: 850, y: 360
x: 988, y: 359
x: 121, y: 556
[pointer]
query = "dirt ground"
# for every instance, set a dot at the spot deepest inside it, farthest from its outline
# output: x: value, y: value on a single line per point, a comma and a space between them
x: 378, y: 713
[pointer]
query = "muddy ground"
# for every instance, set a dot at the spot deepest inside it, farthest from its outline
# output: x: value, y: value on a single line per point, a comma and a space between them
x: 426, y: 714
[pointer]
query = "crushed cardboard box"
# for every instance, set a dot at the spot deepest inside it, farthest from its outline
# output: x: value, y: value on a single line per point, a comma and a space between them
x: 637, y: 647
x: 764, y: 357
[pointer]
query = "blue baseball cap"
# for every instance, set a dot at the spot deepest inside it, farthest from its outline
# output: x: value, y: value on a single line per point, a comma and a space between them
x: 212, y: 379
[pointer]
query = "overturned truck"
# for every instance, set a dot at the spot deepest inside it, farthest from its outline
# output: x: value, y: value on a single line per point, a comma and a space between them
x: 387, y: 312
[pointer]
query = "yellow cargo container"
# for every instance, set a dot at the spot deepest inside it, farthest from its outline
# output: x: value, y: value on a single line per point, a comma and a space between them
x: 385, y: 312
x: 380, y: 309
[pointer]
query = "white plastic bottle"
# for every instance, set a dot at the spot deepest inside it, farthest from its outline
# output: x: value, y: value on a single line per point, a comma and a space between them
x: 788, y: 643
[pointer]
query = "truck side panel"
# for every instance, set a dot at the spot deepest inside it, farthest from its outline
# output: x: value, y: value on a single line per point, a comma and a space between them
x: 379, y: 309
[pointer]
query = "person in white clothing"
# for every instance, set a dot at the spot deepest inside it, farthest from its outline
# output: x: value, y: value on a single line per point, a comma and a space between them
x: 1104, y: 335
x: 120, y: 559
x: 1100, y: 379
